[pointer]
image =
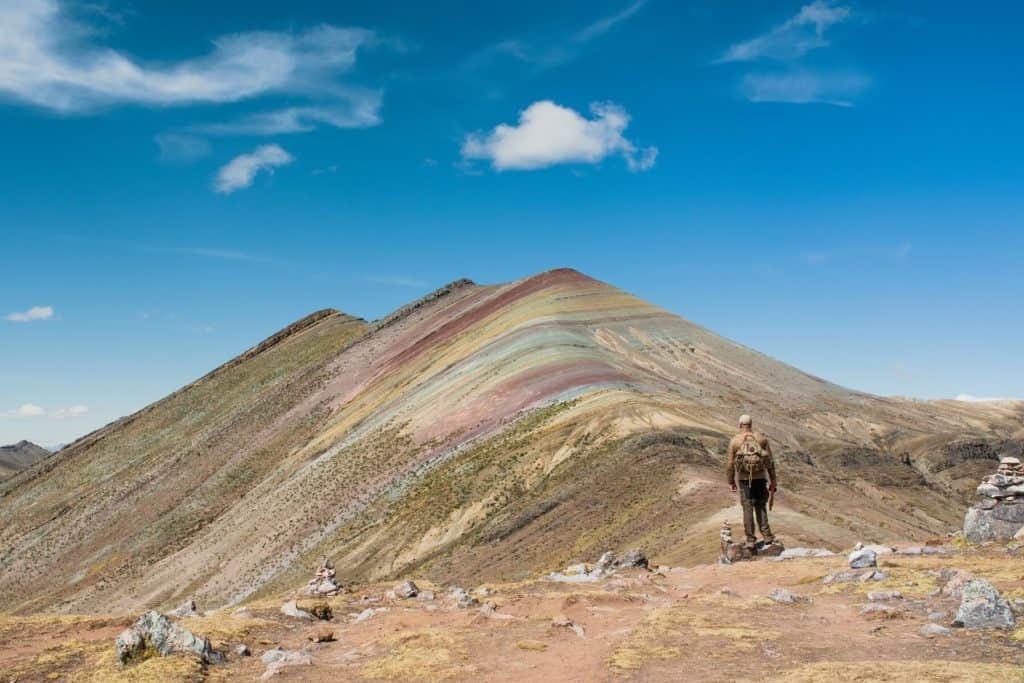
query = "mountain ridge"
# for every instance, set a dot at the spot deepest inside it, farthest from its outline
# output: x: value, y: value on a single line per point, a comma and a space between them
x: 526, y: 418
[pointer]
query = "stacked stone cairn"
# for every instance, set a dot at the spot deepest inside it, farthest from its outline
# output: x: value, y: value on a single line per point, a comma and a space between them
x: 1000, y: 513
x: 324, y: 582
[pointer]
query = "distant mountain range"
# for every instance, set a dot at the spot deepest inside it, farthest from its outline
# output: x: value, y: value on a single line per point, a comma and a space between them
x: 17, y: 457
x: 480, y: 433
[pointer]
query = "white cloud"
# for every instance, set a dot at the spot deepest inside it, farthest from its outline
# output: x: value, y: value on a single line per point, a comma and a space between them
x: 70, y: 412
x: 30, y: 411
x: 549, y: 134
x: 602, y: 26
x: 805, y: 87
x: 179, y: 147
x: 240, y: 171
x: 27, y: 410
x: 795, y: 37
x: 34, y: 313
x: 978, y: 399
x: 361, y: 109
x: 545, y: 52
x: 46, y: 59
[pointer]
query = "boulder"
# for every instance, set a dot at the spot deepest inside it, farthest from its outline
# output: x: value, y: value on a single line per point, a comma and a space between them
x: 876, y: 610
x: 773, y: 549
x: 242, y: 650
x: 291, y: 609
x: 862, y: 559
x: 154, y: 631
x: 407, y: 589
x: 981, y: 607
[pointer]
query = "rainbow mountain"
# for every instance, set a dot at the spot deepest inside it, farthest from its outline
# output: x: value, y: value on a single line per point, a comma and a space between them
x: 483, y: 432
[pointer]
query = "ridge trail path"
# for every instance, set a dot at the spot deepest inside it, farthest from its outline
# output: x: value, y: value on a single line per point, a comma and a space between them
x: 703, y: 623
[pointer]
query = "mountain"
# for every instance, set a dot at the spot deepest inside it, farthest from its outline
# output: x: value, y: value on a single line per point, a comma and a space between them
x: 17, y: 457
x: 482, y: 432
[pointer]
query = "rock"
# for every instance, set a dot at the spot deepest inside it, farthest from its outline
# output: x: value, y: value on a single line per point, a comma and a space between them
x: 579, y: 568
x: 154, y: 631
x: 285, y: 658
x: 321, y: 635
x: 736, y: 552
x: 862, y: 559
x: 271, y: 656
x: 882, y: 596
x: 364, y: 615
x: 1019, y: 536
x: 463, y: 599
x: 606, y: 562
x: 955, y: 580
x: 988, y: 490
x: 185, y: 609
x: 936, y: 616
x: 981, y: 607
x: 407, y: 589
x: 852, y: 575
x: 875, y: 610
x: 790, y: 553
x: 880, y: 549
x: 781, y: 595
x: 562, y: 621
x: 242, y: 650
x: 633, y: 558
x: 425, y: 596
x: 325, y: 587
x: 291, y: 609
x: 934, y: 630
x: 322, y: 611
x: 773, y: 549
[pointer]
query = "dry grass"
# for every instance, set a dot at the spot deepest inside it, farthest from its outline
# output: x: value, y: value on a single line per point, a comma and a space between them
x: 96, y: 662
x: 903, y: 672
x: 425, y: 655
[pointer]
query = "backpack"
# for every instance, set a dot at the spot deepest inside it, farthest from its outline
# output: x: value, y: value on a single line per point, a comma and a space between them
x: 750, y: 457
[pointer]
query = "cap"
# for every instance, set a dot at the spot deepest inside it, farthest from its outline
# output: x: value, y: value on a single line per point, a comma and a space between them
x: 745, y: 420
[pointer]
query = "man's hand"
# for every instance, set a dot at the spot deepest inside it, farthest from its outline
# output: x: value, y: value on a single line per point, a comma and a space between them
x: 732, y: 486
x: 772, y: 487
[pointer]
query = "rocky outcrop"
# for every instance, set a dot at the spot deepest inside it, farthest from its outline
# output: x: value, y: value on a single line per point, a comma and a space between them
x: 999, y: 516
x: 155, y: 632
x: 981, y: 607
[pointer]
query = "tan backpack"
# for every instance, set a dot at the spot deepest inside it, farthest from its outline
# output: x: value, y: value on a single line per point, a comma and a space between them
x: 750, y: 457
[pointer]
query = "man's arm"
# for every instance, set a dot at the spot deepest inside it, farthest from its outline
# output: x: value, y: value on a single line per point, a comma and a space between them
x: 730, y: 465
x: 771, y: 463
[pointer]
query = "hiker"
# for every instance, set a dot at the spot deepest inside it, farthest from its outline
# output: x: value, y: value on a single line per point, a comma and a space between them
x: 748, y: 463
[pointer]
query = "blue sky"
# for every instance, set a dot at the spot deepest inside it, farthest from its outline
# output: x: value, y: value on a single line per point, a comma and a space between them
x: 837, y: 184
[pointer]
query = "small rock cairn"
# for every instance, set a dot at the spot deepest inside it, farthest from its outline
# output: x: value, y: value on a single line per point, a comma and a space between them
x: 324, y: 582
x: 1000, y: 513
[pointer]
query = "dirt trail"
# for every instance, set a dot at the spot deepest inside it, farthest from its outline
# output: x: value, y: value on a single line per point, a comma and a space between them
x: 705, y: 623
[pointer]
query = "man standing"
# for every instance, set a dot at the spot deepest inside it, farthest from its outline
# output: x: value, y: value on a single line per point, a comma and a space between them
x: 748, y: 463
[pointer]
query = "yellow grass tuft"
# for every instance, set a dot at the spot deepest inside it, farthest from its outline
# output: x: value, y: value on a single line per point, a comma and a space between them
x: 424, y: 655
x: 903, y: 672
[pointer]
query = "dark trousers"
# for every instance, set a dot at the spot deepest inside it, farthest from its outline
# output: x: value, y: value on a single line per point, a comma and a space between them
x: 754, y: 499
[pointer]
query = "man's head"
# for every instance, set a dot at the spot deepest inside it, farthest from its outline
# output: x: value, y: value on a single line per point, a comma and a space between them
x: 745, y: 422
